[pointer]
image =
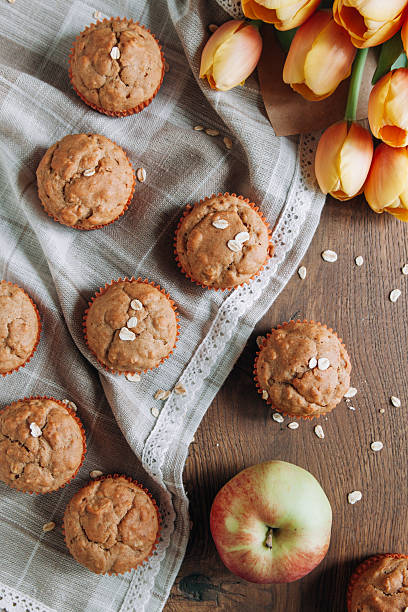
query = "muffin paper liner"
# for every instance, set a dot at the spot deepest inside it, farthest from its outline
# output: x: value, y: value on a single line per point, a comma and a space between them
x: 255, y: 371
x: 187, y: 211
x: 159, y: 520
x: 363, y: 567
x: 103, y: 290
x: 130, y: 111
x: 81, y: 427
x: 38, y: 333
x: 88, y: 229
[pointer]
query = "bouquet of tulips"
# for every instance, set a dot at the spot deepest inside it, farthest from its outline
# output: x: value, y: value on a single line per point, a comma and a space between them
x: 325, y: 43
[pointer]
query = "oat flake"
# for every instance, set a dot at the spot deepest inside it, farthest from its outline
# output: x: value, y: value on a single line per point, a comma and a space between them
x: 395, y: 401
x: 394, y: 295
x: 141, y: 175
x: 220, y: 223
x: 133, y: 377
x: 126, y: 334
x: 97, y: 14
x: 404, y: 269
x: 132, y: 322
x: 35, y: 430
x: 212, y: 132
x: 212, y: 27
x: 302, y: 272
x: 179, y: 389
x: 359, y: 261
x: 95, y: 474
x: 278, y: 417
x: 136, y: 305
x: 155, y: 411
x: 161, y: 394
x: 293, y: 425
x: 323, y: 363
x: 235, y: 246
x: 354, y: 497
x: 89, y: 172
x: 319, y: 431
x: 228, y: 142
x: 381, y: 410
x: 312, y: 363
x: 376, y: 446
x: 70, y: 405
x: 198, y: 128
x: 330, y: 256
x: 351, y: 392
x: 265, y: 394
x: 115, y: 53
x: 48, y: 526
x: 242, y: 237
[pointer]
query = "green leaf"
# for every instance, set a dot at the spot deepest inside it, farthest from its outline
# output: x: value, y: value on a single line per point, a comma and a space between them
x: 392, y: 56
x: 285, y: 38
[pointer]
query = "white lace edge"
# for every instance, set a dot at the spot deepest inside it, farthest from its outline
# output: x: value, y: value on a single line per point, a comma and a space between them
x: 15, y: 601
x: 232, y: 7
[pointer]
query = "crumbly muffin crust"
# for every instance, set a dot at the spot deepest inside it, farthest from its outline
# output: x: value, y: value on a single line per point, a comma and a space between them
x: 209, y: 254
x: 41, y: 445
x: 111, y: 525
x: 284, y: 369
x: 19, y: 327
x: 131, y: 327
x: 85, y: 181
x: 382, y: 587
x: 119, y: 80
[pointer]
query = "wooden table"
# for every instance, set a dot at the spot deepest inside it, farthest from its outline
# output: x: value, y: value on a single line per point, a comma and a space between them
x: 238, y: 429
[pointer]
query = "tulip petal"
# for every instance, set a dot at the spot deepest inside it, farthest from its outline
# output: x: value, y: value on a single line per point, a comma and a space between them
x: 293, y: 18
x: 388, y: 177
x: 249, y: 9
x: 378, y: 10
x: 376, y: 104
x: 328, y: 155
x: 396, y: 112
x: 220, y: 36
x: 355, y: 159
x: 237, y: 58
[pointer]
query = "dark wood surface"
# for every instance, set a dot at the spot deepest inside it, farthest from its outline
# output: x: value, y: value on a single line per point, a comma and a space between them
x: 238, y: 430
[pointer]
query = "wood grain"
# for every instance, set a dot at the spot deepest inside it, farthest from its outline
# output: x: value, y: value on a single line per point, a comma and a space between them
x: 238, y: 430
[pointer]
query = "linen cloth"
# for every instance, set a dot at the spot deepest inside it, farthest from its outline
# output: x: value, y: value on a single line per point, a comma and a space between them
x: 61, y: 269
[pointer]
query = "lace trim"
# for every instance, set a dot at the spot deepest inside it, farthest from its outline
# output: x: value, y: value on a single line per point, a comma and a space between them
x: 232, y: 7
x: 14, y: 601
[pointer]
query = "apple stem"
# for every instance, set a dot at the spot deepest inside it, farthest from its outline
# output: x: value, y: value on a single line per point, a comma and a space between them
x: 269, y: 538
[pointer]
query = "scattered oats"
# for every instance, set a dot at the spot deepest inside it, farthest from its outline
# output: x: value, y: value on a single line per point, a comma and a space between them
x: 395, y: 401
x: 95, y: 473
x: 394, y: 295
x: 133, y: 377
x: 48, y: 526
x: 161, y: 394
x: 351, y: 408
x: 354, y: 497
x: 319, y: 431
x: 293, y: 425
x: 212, y: 27
x: 404, y: 269
x: 136, y: 305
x: 351, y: 392
x: 217, y: 444
x: 330, y: 256
x: 235, y: 246
x: 179, y: 389
x: 227, y: 142
x: 302, y: 272
x: 381, y: 410
x: 376, y: 446
x: 312, y: 363
x: 220, y: 223
x: 141, y: 175
x: 265, y: 394
x: 155, y: 411
x: 211, y: 132
x: 260, y: 341
x: 166, y: 66
x: 323, y: 363
x: 242, y: 237
x: 132, y: 322
x: 278, y: 417
x: 198, y: 128
x: 126, y: 334
x: 89, y: 172
x: 35, y: 430
x: 115, y: 53
x: 359, y: 261
x: 70, y: 405
x: 97, y: 14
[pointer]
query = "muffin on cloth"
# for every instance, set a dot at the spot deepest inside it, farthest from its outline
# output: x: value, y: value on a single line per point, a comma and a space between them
x: 116, y: 66
x: 111, y: 525
x: 379, y: 584
x: 85, y: 181
x: 302, y: 369
x: 222, y: 241
x: 131, y: 325
x: 42, y: 444
x: 20, y: 327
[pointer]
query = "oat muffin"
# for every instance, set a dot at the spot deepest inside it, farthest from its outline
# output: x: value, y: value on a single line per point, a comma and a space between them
x: 222, y: 242
x: 131, y: 325
x: 303, y: 369
x: 42, y: 445
x: 20, y: 328
x: 116, y: 66
x: 111, y: 525
x: 380, y: 584
x: 85, y: 181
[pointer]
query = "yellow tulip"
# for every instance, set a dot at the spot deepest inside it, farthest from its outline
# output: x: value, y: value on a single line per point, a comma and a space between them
x: 231, y: 54
x: 343, y: 160
x: 369, y: 22
x: 386, y: 189
x: 388, y: 108
x: 319, y: 58
x: 284, y: 14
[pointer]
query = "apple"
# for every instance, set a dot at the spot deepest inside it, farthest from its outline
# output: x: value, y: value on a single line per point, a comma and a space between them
x: 271, y: 523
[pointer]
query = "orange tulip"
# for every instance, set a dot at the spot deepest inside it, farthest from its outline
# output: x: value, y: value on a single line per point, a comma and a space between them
x: 404, y: 35
x: 319, y: 58
x: 343, y: 159
x: 386, y: 189
x: 369, y: 22
x: 388, y: 108
x: 284, y: 14
x: 230, y: 55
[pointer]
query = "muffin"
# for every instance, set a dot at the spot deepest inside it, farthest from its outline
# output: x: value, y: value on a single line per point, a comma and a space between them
x: 20, y: 328
x: 379, y: 584
x: 116, y: 66
x: 85, y: 181
x: 131, y: 325
x: 42, y: 444
x: 111, y: 525
x: 222, y: 241
x: 302, y: 369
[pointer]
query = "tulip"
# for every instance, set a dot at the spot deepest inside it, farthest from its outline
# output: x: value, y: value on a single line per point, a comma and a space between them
x: 388, y: 108
x: 284, y: 14
x: 319, y: 58
x: 231, y: 54
x: 343, y: 159
x: 369, y: 22
x: 386, y: 189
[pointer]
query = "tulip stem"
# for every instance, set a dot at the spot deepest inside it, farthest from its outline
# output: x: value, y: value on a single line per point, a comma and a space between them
x: 355, y: 84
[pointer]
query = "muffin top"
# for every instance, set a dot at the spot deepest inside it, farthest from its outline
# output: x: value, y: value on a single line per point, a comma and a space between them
x: 383, y: 587
x: 131, y: 327
x: 85, y: 181
x: 19, y: 327
x: 41, y: 445
x: 111, y: 525
x: 304, y: 368
x: 116, y: 65
x: 222, y: 242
